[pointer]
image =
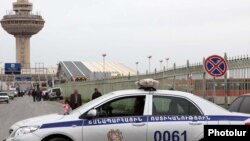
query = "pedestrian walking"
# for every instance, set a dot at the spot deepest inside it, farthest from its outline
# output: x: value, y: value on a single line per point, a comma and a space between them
x: 66, y: 107
x: 34, y: 95
x: 96, y: 94
x: 38, y: 94
x: 75, y: 100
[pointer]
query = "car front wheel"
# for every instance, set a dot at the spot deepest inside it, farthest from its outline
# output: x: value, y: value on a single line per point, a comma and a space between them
x: 59, y: 139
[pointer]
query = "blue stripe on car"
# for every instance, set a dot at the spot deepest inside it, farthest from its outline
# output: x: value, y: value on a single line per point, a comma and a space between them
x: 62, y: 124
x: 231, y: 118
x: 135, y: 119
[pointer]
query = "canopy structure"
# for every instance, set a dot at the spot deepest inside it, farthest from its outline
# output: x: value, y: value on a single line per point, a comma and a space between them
x: 77, y: 70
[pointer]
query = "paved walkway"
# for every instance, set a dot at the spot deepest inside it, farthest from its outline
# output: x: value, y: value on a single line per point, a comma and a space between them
x: 21, y: 108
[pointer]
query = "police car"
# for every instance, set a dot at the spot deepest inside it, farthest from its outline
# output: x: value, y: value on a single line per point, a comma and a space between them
x: 144, y: 114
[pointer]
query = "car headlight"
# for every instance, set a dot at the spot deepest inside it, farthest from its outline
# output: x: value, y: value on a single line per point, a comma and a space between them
x: 25, y: 130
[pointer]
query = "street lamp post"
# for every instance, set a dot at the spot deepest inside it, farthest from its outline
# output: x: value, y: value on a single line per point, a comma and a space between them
x: 161, y: 65
x: 149, y: 57
x: 103, y: 64
x: 167, y: 63
x: 137, y: 72
x: 104, y: 74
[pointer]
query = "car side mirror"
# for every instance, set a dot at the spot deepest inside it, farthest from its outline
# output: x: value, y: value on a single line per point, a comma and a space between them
x: 92, y: 113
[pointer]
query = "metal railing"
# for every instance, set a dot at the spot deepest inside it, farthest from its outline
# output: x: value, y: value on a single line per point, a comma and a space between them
x: 190, y: 77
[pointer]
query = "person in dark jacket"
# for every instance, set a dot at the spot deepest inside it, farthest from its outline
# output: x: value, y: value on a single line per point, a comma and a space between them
x: 33, y: 95
x: 96, y: 94
x: 38, y: 95
x: 75, y: 100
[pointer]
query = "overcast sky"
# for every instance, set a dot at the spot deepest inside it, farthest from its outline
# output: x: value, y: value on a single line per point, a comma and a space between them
x: 130, y: 30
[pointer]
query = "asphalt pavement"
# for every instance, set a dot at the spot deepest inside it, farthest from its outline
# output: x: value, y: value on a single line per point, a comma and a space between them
x: 22, y: 108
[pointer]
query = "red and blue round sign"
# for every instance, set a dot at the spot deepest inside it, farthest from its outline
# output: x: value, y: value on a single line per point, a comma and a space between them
x: 215, y: 65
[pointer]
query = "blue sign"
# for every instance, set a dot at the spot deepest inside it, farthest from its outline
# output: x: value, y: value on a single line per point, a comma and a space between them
x: 23, y: 78
x: 12, y: 68
x: 215, y: 66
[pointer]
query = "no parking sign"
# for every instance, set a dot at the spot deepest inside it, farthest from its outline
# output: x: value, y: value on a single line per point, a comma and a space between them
x: 215, y: 65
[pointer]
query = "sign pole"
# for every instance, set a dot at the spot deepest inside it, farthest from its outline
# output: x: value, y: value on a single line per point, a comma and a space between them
x: 214, y: 91
x: 225, y: 85
x: 204, y: 88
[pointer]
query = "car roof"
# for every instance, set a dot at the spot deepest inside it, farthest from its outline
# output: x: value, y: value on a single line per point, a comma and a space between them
x: 248, y: 94
x: 142, y: 91
x: 54, y: 88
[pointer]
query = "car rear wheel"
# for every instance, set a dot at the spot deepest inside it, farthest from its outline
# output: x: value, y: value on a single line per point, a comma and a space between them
x: 58, y: 139
x: 7, y: 101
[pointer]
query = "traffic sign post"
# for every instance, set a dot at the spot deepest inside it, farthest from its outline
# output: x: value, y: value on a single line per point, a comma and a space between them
x: 216, y: 66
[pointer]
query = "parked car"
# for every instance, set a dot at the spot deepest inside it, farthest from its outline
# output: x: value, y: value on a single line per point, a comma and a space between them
x: 21, y: 93
x: 143, y: 114
x: 14, y: 91
x: 53, y: 93
x: 11, y: 95
x: 241, y: 104
x: 45, y: 94
x: 4, y: 97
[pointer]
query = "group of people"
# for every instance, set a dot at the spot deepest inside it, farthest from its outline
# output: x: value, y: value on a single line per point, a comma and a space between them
x: 36, y: 94
x: 76, y: 100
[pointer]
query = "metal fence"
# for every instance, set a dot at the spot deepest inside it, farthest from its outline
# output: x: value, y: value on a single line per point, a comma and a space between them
x: 189, y: 77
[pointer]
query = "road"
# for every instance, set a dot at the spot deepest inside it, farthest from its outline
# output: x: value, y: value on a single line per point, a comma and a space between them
x: 23, y: 107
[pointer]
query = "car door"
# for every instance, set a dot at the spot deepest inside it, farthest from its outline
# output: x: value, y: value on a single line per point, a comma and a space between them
x: 174, y: 119
x: 121, y: 119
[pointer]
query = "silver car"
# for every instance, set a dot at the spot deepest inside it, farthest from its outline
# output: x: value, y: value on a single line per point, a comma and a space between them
x: 13, y: 92
x: 4, y: 97
x: 11, y: 95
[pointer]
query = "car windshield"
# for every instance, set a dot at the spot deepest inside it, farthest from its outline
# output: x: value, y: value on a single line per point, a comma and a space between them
x: 56, y: 90
x: 3, y: 94
x: 79, y: 109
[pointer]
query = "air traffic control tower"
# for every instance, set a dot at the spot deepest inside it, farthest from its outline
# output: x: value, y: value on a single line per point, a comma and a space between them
x: 22, y: 24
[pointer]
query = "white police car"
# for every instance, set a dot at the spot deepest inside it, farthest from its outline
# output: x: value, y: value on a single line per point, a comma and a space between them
x: 143, y: 114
